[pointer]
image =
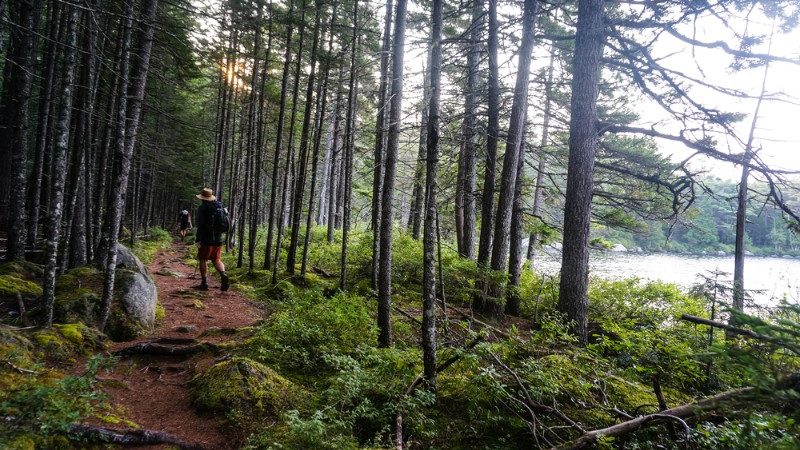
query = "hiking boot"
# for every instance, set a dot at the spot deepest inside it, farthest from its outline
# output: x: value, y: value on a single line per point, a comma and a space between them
x: 201, y: 287
x: 225, y: 282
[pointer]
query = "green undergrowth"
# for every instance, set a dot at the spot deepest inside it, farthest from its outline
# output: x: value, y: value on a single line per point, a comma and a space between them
x: 147, y: 246
x: 38, y: 402
x: 322, y: 342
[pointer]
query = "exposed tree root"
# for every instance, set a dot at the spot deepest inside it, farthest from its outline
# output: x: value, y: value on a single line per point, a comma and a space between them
x: 155, y: 348
x: 129, y: 437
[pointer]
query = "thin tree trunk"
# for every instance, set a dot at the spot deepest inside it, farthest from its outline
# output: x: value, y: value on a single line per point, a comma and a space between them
x: 350, y: 143
x: 380, y: 143
x: 515, y: 233
x: 287, y: 62
x: 741, y: 204
x: 130, y: 117
x: 333, y: 186
x: 539, y: 188
x: 300, y: 184
x: 14, y: 145
x: 505, y: 202
x: 471, y: 135
x: 322, y: 104
x: 429, y: 237
x: 418, y: 194
x: 60, y: 162
x: 387, y: 196
x: 42, y: 129
x: 589, y: 41
x: 287, y: 181
x: 492, y: 135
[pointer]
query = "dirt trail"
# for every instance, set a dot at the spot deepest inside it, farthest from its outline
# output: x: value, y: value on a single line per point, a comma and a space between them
x: 152, y: 391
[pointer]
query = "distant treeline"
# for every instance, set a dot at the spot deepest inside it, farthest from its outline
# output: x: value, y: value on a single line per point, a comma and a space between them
x: 709, y: 226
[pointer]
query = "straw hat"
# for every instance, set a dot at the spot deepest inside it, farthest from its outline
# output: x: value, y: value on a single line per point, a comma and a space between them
x: 206, y: 194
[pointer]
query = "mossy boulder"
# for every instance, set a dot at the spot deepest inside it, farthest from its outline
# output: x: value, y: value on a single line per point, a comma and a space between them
x: 134, y: 310
x: 241, y: 387
x: 65, y: 341
x: 20, y: 277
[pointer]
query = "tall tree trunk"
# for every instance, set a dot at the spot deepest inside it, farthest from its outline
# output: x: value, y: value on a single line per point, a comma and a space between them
x: 492, y: 135
x: 287, y: 62
x: 417, y: 196
x: 471, y: 135
x: 289, y: 168
x: 14, y: 139
x: 589, y: 41
x: 741, y: 204
x: 513, y: 153
x: 322, y: 104
x: 300, y: 184
x: 350, y: 143
x: 60, y: 163
x: 380, y: 144
x: 539, y: 188
x: 254, y: 222
x: 333, y: 185
x: 429, y: 237
x: 387, y: 196
x: 515, y: 232
x: 42, y: 129
x: 130, y: 117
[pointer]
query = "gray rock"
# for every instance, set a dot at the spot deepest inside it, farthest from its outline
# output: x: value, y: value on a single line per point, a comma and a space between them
x: 618, y: 248
x: 748, y: 253
x: 167, y: 272
x: 127, y: 260
x: 721, y: 253
x: 138, y: 297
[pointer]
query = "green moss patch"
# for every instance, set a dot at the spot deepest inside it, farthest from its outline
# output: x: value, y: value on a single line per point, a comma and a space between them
x: 65, y: 341
x: 241, y: 387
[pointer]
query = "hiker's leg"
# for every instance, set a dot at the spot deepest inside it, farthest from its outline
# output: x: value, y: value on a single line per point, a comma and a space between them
x: 203, y: 268
x: 220, y: 266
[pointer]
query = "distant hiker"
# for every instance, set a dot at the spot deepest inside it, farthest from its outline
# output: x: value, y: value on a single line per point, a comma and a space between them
x: 212, y: 222
x: 184, y: 223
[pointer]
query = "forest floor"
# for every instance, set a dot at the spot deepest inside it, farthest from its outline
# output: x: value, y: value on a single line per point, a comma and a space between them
x: 152, y: 391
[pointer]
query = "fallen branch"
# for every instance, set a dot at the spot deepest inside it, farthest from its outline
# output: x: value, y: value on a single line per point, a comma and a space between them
x: 742, y: 332
x: 153, y: 348
x: 534, y: 405
x: 674, y: 414
x: 129, y: 437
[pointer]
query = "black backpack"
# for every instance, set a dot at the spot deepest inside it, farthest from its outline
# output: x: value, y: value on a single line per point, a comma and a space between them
x: 219, y: 220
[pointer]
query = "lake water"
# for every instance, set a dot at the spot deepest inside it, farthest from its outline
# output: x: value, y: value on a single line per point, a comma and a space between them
x: 776, y: 278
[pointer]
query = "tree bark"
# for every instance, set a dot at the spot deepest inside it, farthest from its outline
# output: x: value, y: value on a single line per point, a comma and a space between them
x: 538, y: 189
x: 513, y: 155
x: 492, y: 134
x: 350, y: 143
x: 42, y: 129
x: 300, y: 184
x: 14, y: 139
x: 429, y: 237
x: 467, y: 247
x: 387, y: 196
x: 60, y: 162
x: 130, y: 119
x: 288, y: 174
x: 589, y: 41
x: 287, y: 62
x: 380, y: 143
x: 418, y: 193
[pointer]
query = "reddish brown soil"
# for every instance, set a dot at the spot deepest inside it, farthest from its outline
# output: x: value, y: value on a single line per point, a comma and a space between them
x: 152, y: 391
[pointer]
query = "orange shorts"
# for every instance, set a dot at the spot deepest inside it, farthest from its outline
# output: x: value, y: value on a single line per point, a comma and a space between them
x: 209, y: 252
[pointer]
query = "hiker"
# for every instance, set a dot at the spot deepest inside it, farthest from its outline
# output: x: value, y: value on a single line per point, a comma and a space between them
x: 184, y: 223
x: 212, y: 222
